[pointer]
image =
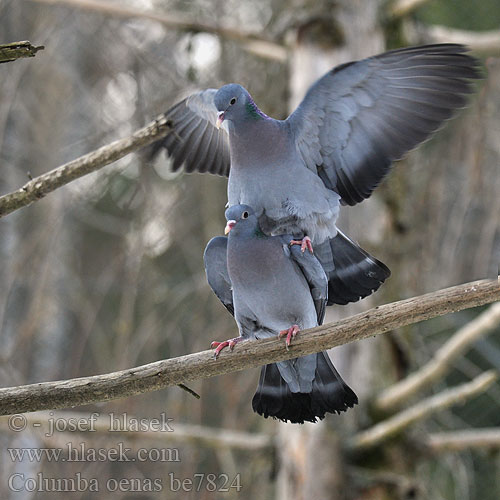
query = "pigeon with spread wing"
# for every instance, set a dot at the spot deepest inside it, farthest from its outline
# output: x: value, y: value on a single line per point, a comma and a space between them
x: 334, y: 149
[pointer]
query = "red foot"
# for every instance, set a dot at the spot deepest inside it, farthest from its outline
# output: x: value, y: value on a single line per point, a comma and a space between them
x: 221, y: 345
x: 290, y: 334
x: 304, y: 243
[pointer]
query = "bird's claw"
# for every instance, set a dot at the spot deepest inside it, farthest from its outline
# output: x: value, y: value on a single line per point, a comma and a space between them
x: 290, y: 333
x: 218, y: 346
x: 305, y: 243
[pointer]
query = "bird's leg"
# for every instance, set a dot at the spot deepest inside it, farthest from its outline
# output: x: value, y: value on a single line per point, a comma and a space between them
x: 227, y: 343
x: 290, y: 334
x: 304, y: 243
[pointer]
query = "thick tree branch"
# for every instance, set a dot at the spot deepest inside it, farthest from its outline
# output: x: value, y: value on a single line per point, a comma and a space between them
x: 256, y: 43
x: 40, y: 186
x: 16, y: 50
x: 442, y: 360
x: 466, y: 439
x: 423, y: 409
x: 161, y: 374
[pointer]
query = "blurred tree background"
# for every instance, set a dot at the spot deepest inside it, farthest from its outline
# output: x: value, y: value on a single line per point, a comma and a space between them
x: 107, y: 273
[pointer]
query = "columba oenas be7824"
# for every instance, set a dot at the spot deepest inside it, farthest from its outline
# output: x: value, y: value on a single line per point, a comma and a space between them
x: 334, y: 149
x: 273, y: 288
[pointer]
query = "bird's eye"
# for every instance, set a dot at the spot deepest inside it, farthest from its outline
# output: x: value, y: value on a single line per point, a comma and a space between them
x: 244, y: 215
x: 232, y: 101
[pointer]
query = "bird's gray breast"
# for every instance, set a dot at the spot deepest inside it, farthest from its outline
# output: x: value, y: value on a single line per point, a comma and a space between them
x: 287, y: 197
x: 268, y: 287
x: 270, y: 176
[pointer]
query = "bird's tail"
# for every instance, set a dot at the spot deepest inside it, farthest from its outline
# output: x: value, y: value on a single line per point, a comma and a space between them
x: 352, y: 272
x: 330, y: 394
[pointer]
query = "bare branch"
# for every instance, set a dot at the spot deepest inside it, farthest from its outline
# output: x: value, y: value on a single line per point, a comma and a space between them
x: 40, y: 186
x: 161, y: 374
x: 423, y: 409
x: 256, y: 43
x: 466, y: 439
x: 478, y: 41
x: 441, y: 362
x: 400, y: 8
x: 16, y: 50
x: 159, y: 431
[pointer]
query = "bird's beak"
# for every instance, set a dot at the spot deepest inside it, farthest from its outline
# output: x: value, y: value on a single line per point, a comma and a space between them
x: 220, y: 119
x: 230, y: 224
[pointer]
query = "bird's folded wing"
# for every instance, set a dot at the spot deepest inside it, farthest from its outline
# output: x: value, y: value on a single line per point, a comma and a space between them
x: 363, y: 115
x: 195, y: 142
x: 215, y: 259
x: 314, y: 275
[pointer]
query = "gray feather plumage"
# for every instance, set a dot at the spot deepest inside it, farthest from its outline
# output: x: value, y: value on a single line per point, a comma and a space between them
x: 353, y: 122
x: 195, y: 142
x: 360, y: 117
x: 215, y: 260
x: 334, y: 149
x: 270, y: 286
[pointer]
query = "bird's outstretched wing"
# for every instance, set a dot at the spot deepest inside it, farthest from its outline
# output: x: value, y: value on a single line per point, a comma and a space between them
x: 215, y: 259
x: 361, y: 116
x: 195, y: 142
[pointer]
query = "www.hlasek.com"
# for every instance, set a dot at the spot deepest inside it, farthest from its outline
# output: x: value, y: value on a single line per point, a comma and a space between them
x: 221, y: 483
x: 82, y: 452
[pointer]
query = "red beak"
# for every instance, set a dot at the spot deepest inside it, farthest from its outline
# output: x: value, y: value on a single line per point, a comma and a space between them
x: 230, y: 224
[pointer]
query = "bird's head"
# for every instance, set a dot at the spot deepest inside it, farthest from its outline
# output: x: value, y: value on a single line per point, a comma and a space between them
x: 231, y: 102
x: 241, y: 219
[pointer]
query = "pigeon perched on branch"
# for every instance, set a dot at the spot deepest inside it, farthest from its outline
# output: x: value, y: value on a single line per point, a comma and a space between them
x: 274, y: 289
x: 334, y: 149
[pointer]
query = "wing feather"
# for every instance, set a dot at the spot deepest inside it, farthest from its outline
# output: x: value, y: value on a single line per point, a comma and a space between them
x: 361, y: 116
x: 195, y: 143
x: 314, y: 275
x: 215, y: 260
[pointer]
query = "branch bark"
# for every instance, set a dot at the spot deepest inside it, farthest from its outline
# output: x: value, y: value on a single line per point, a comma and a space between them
x: 441, y: 362
x: 40, y: 186
x: 17, y: 50
x: 165, y: 373
x: 256, y: 43
x: 423, y: 409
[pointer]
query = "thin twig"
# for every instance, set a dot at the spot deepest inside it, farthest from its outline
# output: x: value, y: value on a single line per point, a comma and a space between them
x: 424, y: 408
x: 441, y: 362
x: 161, y: 374
x: 465, y: 439
x: 40, y: 186
x: 254, y: 42
x: 17, y: 50
x: 189, y: 391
